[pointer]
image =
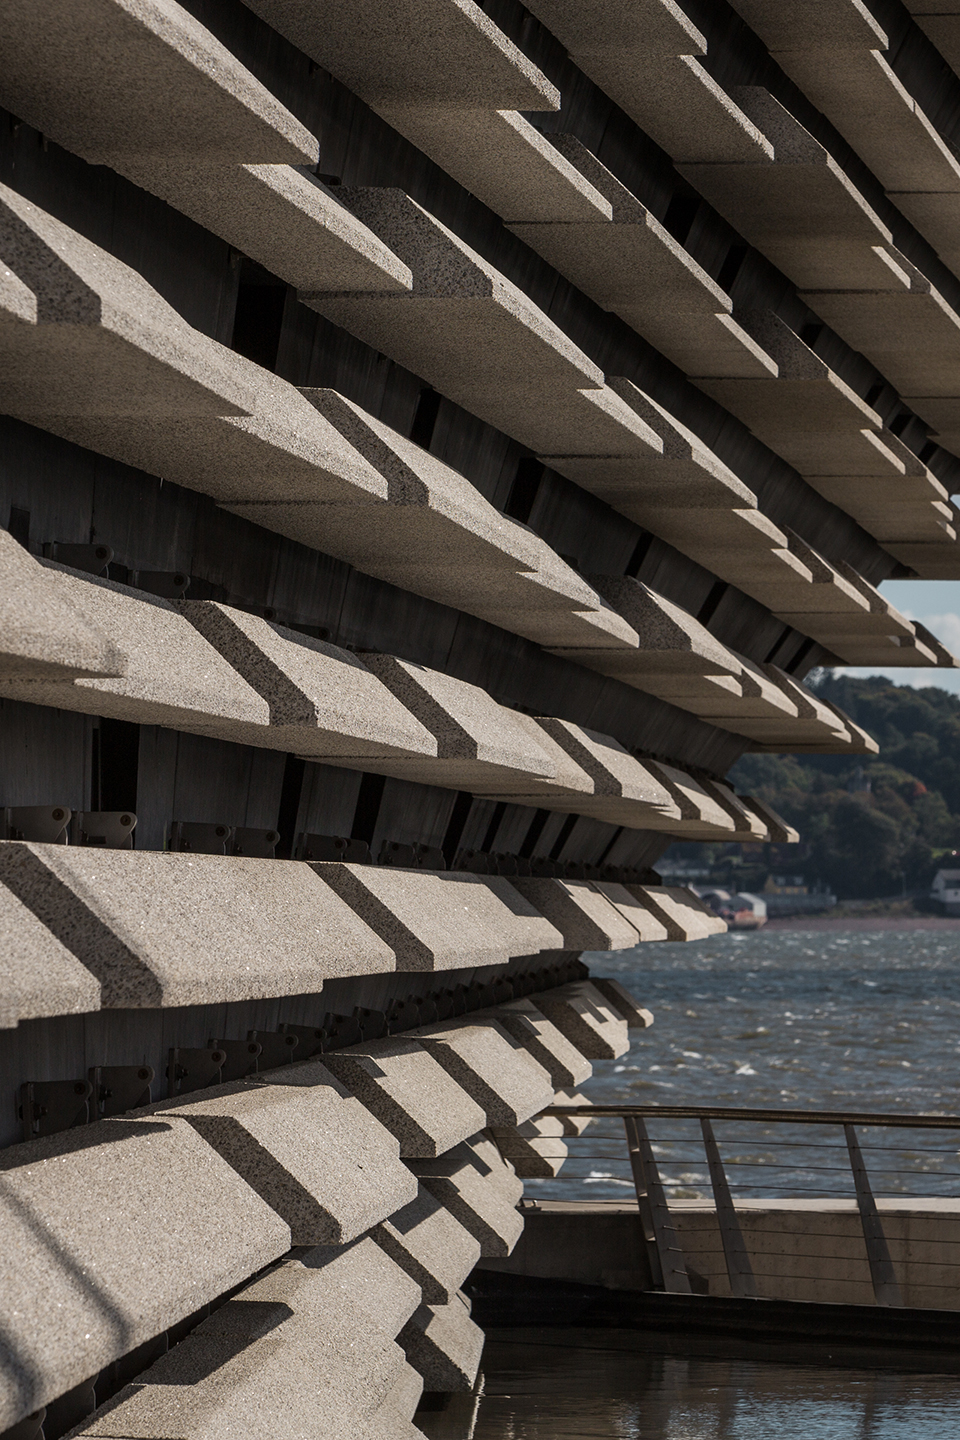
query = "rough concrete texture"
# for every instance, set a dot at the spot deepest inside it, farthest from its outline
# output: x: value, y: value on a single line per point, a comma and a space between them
x: 632, y: 266
x: 803, y: 212
x: 430, y: 919
x: 573, y: 1124
x: 535, y: 1149
x: 691, y: 798
x: 585, y: 919
x: 322, y: 700
x: 497, y: 1072
x: 279, y: 463
x: 587, y: 1019
x: 647, y: 923
x: 444, y: 1344
x: 505, y: 161
x: 308, y: 1148
x: 172, y: 676
x: 38, y: 975
x: 402, y: 1084
x: 682, y: 922
x: 469, y: 62
x: 624, y: 1002
x: 671, y: 640
x: 405, y: 1394
x: 121, y: 1229
x: 94, y: 338
x: 161, y: 929
x: 466, y: 722
x: 612, y: 768
x: 480, y: 1191
x: 174, y: 89
x: 659, y: 26
x: 42, y: 637
x: 504, y: 911
x: 562, y: 1061
x: 430, y: 1245
x: 708, y: 918
x: 780, y: 832
x: 280, y: 215
x: 465, y: 328
x: 300, y: 1352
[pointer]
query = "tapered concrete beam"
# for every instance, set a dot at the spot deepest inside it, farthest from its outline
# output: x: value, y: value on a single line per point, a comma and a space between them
x: 155, y: 1222
x: 282, y: 454
x: 800, y: 209
x: 697, y: 807
x: 434, y: 1249
x: 535, y: 1149
x: 584, y: 917
x: 444, y: 1344
x: 659, y: 26
x: 432, y: 920
x: 174, y: 90
x: 479, y: 745
x: 439, y: 52
x: 308, y: 1147
x: 549, y: 1047
x: 91, y: 337
x: 42, y: 637
x: 298, y: 1336
x: 480, y: 1190
x: 409, y: 1093
x: 501, y: 158
x: 587, y: 1019
x: 465, y: 328
x: 624, y: 1002
x: 172, y: 675
x: 613, y: 770
x: 748, y: 823
x: 931, y: 562
x: 671, y: 640
x: 38, y: 974
x: 497, y: 1072
x: 646, y: 921
x: 280, y: 215
x: 631, y: 265
x: 781, y: 832
x: 685, y: 917
x: 160, y: 929
x: 836, y: 25
x: 322, y: 700
x: 808, y: 415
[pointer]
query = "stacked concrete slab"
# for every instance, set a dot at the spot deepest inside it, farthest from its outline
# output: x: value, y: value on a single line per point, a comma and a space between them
x: 435, y: 446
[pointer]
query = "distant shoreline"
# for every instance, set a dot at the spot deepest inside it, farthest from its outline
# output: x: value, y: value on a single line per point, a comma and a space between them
x: 816, y: 923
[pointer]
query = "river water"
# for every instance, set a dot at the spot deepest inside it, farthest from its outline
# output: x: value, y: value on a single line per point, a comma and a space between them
x: 854, y: 1020
x: 864, y: 1019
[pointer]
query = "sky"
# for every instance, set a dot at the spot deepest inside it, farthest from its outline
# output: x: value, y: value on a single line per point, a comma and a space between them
x: 936, y: 603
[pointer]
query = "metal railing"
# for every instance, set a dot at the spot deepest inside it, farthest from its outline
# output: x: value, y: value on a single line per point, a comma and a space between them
x: 665, y: 1253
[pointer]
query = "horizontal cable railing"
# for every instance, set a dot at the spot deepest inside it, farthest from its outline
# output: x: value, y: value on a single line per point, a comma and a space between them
x: 766, y: 1155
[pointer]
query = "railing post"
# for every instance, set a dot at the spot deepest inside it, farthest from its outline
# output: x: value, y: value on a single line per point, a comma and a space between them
x: 663, y: 1245
x: 739, y: 1269
x: 886, y: 1290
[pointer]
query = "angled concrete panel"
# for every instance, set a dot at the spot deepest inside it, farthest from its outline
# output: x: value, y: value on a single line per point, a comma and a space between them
x: 497, y: 1072
x: 434, y: 1249
x: 585, y: 918
x: 413, y: 1096
x: 38, y: 974
x: 587, y: 1018
x: 161, y: 929
x: 563, y: 1062
x: 444, y: 1344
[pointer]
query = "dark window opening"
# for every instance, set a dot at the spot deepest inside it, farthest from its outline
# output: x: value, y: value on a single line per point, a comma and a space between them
x: 456, y: 825
x: 116, y: 761
x: 19, y: 526
x: 681, y: 213
x: 523, y: 491
x: 499, y: 810
x: 731, y: 266
x: 709, y: 607
x: 368, y: 808
x: 539, y: 820
x: 290, y: 792
x: 640, y: 553
x: 258, y: 319
x: 566, y: 830
x: 425, y: 418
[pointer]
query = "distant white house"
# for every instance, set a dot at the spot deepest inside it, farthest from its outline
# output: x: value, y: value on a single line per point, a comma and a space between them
x: 946, y: 891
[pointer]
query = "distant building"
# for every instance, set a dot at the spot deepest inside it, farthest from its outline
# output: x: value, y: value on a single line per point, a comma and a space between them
x: 946, y: 891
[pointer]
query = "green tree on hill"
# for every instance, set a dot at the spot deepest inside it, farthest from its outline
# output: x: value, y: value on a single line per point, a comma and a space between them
x: 870, y: 825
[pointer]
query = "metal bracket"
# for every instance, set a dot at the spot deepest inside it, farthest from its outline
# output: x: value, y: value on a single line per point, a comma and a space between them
x: 94, y: 559
x: 373, y: 1023
x: 240, y: 1058
x: 403, y: 1015
x: 886, y: 1288
x: 48, y: 1106
x: 310, y: 1037
x: 200, y: 839
x: 46, y: 824
x: 739, y: 1269
x: 341, y: 1031
x: 168, y: 584
x: 119, y: 1088
x: 332, y: 847
x: 667, y: 1262
x: 259, y: 843
x: 110, y: 828
x: 189, y: 1070
x: 276, y: 1047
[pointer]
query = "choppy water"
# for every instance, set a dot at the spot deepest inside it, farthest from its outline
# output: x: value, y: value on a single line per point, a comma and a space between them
x: 839, y: 1021
x: 590, y: 1385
